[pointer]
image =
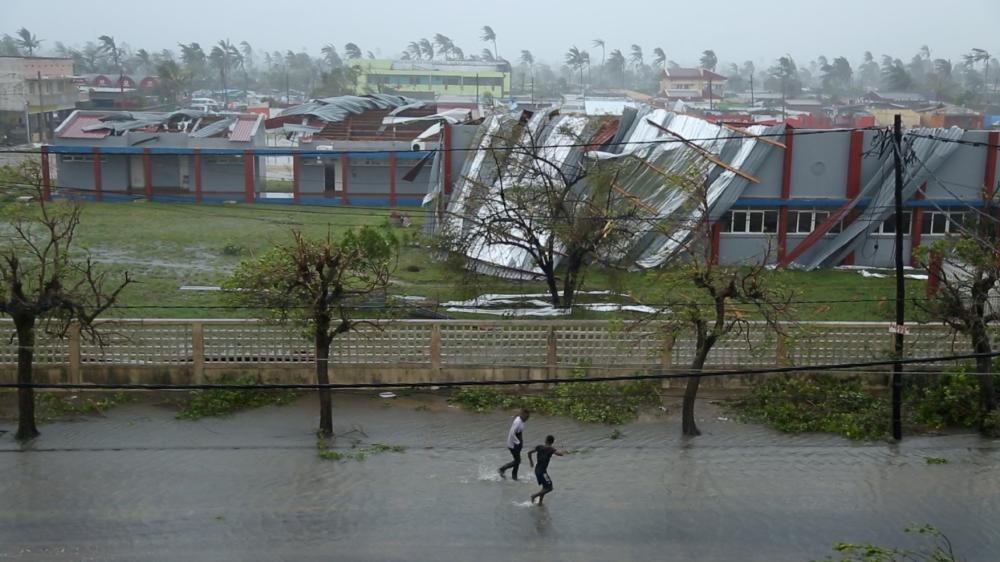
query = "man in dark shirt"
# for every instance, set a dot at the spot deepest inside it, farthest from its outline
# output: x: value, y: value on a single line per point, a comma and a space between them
x: 544, y: 453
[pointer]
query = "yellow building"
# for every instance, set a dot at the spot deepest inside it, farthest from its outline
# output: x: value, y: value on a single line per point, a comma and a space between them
x: 884, y: 116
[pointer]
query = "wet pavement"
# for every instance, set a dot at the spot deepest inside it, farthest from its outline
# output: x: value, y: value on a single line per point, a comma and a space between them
x: 138, y: 484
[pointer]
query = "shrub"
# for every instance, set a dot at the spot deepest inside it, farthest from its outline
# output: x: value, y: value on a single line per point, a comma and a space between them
x: 221, y: 402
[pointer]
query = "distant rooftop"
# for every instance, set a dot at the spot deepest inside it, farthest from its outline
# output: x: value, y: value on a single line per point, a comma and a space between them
x: 87, y: 124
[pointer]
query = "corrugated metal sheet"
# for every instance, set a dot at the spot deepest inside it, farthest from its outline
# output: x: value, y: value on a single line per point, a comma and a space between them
x: 340, y: 107
x: 881, y: 191
x: 75, y: 129
x: 243, y: 130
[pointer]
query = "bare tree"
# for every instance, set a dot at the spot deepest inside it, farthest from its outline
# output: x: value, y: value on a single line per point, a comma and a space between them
x: 966, y: 268
x: 563, y: 218
x: 316, y: 284
x: 43, y: 285
x: 713, y: 301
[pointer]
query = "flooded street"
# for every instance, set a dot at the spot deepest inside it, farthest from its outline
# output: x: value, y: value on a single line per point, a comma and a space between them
x: 139, y: 484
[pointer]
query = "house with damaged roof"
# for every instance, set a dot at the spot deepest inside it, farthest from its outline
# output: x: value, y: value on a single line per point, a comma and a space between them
x: 378, y: 149
x: 180, y: 154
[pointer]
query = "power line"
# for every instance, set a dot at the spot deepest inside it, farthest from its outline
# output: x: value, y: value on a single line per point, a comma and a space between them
x: 518, y: 382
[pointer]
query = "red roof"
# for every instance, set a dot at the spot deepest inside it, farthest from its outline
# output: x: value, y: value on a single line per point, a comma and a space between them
x: 74, y: 129
x: 243, y: 129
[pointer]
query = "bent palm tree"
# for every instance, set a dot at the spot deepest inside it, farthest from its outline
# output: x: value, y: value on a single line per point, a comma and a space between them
x: 28, y: 41
x: 490, y: 36
x: 352, y: 51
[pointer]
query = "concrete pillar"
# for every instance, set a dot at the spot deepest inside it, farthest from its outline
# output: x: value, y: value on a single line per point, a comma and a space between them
x: 198, y: 352
x: 436, y: 348
x: 147, y: 173
x: 198, y: 195
x: 75, y: 359
x: 98, y: 179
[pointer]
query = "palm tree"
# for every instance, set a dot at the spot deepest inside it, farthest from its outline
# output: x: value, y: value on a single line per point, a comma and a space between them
x: 247, y: 51
x: 427, y: 49
x: 600, y: 43
x: 527, y: 58
x: 352, y: 51
x: 659, y: 57
x: 330, y: 56
x: 27, y: 41
x: 414, y: 49
x: 444, y: 44
x: 489, y: 36
x: 457, y: 53
x: 618, y: 63
x: 636, y: 57
x: 576, y: 59
x: 486, y: 55
x: 172, y: 79
x: 220, y: 57
x: 708, y: 60
x: 109, y: 46
x: 980, y: 55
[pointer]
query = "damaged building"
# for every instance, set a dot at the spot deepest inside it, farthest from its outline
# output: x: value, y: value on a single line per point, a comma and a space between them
x: 790, y: 197
x: 181, y: 154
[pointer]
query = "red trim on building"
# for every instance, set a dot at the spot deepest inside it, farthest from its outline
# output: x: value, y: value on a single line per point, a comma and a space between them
x: 46, y: 175
x: 248, y: 186
x: 392, y: 179
x: 917, y: 224
x: 854, y: 178
x: 716, y: 242
x: 98, y: 180
x: 345, y: 164
x: 197, y: 176
x: 296, y: 177
x: 147, y: 173
x: 446, y: 145
x: 786, y: 192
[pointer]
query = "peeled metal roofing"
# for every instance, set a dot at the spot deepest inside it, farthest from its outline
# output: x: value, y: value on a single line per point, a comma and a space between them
x: 923, y: 144
x: 639, y: 135
x: 243, y: 130
x: 81, y: 128
x: 339, y: 108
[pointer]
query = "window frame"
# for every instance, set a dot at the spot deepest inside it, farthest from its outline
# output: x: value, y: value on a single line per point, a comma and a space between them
x: 728, y: 220
x: 794, y: 217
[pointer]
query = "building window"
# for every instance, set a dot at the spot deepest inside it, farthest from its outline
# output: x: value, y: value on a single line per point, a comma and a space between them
x: 888, y: 226
x: 942, y: 222
x: 806, y: 221
x: 81, y: 158
x: 750, y: 221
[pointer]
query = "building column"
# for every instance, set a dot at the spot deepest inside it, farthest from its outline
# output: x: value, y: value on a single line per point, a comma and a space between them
x: 345, y: 172
x: 716, y: 243
x: 446, y: 146
x: 786, y: 193
x: 98, y: 180
x: 147, y: 173
x: 296, y: 178
x: 853, y: 179
x: 198, y: 195
x: 46, y: 175
x: 392, y: 179
x: 248, y: 176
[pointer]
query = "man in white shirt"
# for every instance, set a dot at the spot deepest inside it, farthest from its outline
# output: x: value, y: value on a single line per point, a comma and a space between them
x: 515, y: 440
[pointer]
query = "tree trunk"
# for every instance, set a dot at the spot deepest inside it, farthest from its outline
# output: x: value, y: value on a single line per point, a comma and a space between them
x: 26, y: 428
x: 688, y: 425
x: 323, y: 377
x: 984, y: 368
x: 573, y: 265
x: 552, y: 283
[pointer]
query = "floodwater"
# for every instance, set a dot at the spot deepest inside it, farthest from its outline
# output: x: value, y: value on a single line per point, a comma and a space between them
x: 138, y: 484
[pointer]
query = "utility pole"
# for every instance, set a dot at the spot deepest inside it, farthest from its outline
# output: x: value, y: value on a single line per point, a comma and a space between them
x: 751, y: 90
x: 899, y: 329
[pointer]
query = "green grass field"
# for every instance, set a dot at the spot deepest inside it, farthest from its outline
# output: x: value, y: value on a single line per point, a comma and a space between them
x: 170, y: 245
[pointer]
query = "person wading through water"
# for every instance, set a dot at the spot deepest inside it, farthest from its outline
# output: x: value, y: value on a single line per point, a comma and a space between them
x: 515, y: 440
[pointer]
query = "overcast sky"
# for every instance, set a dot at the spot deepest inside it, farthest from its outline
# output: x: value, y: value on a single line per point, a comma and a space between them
x: 737, y: 30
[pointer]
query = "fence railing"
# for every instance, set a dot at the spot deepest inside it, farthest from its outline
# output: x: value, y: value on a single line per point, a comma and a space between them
x: 472, y: 343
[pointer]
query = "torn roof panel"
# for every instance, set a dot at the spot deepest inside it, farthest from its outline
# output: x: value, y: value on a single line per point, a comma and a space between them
x: 244, y: 128
x: 339, y: 108
x: 80, y: 127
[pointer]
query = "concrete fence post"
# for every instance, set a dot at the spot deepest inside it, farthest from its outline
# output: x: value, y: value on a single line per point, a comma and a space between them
x: 198, y: 352
x: 436, y: 348
x: 667, y: 355
x: 75, y: 359
x: 781, y: 355
x: 552, y: 357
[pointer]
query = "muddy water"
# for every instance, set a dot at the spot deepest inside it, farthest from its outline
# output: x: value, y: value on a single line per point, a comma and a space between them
x: 138, y: 484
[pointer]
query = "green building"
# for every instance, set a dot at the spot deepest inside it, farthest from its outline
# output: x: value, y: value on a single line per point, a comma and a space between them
x: 438, y: 77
